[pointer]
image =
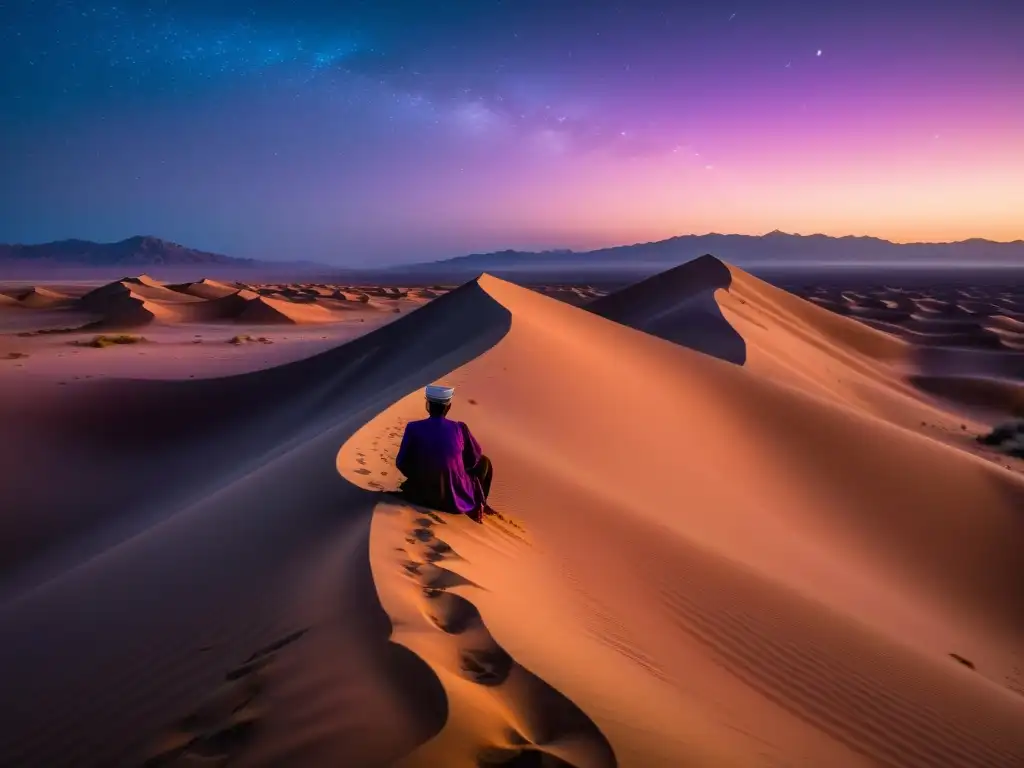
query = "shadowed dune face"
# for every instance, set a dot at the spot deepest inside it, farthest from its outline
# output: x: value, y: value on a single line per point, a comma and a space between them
x: 138, y: 431
x: 199, y: 522
x: 680, y: 306
x: 983, y: 393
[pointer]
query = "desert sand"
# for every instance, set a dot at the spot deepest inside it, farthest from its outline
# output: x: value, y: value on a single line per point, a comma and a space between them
x: 734, y: 529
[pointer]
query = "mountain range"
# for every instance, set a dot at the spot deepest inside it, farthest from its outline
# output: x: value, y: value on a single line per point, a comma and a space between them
x: 140, y: 250
x: 773, y: 248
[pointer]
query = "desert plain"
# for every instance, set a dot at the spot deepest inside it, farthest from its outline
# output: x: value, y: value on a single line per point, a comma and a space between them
x: 742, y: 521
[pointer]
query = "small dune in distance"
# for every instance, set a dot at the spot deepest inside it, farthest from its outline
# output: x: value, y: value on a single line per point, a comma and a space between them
x: 742, y: 521
x: 137, y: 301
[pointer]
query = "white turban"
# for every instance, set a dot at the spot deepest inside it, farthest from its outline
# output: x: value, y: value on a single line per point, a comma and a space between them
x: 436, y: 394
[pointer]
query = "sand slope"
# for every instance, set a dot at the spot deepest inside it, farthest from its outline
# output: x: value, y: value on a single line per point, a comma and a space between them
x: 725, y: 312
x: 737, y: 527
x: 705, y: 564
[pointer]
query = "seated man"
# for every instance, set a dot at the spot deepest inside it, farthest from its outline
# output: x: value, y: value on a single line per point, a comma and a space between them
x: 442, y: 461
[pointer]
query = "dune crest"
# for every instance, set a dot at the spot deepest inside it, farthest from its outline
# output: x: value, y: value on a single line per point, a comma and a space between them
x: 206, y: 289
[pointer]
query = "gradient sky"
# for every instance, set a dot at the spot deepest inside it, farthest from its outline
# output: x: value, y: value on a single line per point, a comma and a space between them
x: 381, y: 131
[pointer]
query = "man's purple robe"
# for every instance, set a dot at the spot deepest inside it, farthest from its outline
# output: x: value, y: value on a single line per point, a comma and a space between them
x: 435, y: 455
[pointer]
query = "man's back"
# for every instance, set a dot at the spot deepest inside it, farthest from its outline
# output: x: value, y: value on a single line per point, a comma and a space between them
x: 436, y: 455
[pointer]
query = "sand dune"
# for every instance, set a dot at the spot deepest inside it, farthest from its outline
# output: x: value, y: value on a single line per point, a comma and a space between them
x: 937, y: 315
x: 264, y: 310
x: 137, y: 301
x: 748, y: 555
x: 42, y: 298
x: 206, y: 289
x: 719, y: 310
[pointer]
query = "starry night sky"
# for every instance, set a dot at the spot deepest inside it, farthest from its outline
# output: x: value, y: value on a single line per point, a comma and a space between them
x: 382, y: 131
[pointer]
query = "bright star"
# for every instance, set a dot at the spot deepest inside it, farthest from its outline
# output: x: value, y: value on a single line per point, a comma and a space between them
x: 819, y: 52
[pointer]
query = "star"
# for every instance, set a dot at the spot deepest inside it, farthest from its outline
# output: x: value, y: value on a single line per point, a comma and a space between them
x: 819, y: 52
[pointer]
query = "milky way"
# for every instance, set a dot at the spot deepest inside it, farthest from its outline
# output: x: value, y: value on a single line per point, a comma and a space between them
x: 365, y: 131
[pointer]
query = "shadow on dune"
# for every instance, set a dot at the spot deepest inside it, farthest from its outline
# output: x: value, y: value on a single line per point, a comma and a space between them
x: 975, y: 391
x: 143, y: 517
x: 949, y: 361
x: 314, y: 696
x: 78, y: 459
x: 679, y: 306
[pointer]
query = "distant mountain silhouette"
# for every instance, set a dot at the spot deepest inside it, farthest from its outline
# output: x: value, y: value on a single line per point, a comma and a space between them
x: 774, y: 247
x: 135, y: 251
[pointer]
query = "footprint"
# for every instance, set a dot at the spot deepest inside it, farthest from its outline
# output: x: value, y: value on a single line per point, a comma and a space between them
x: 488, y: 667
x: 441, y: 578
x: 451, y: 613
x: 966, y: 662
x: 423, y: 534
x: 226, y: 721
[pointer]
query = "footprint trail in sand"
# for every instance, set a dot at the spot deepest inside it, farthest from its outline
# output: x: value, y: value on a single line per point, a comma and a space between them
x: 520, y: 720
x: 222, y: 725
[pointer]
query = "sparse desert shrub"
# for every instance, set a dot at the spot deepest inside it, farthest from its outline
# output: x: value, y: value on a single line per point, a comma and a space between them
x: 1007, y: 438
x: 15, y: 355
x: 104, y: 340
x: 57, y: 330
x: 1003, y: 433
x: 246, y: 338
